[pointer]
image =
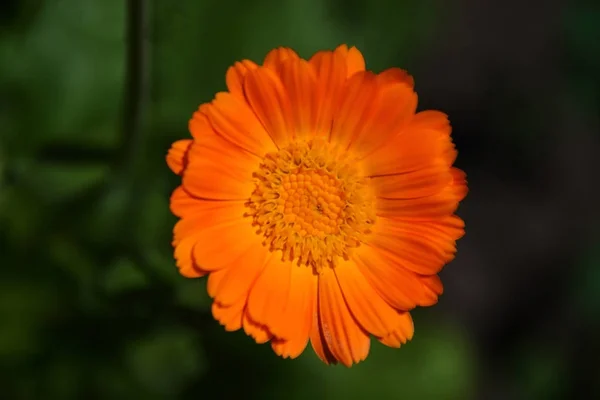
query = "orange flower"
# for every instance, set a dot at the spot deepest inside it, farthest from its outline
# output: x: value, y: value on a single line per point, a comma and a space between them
x: 318, y: 202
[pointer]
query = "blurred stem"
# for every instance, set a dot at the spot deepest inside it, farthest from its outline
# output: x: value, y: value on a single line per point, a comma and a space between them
x: 136, y: 84
x: 132, y: 150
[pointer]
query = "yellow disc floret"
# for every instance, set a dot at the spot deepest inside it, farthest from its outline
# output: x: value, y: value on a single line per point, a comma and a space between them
x: 311, y: 203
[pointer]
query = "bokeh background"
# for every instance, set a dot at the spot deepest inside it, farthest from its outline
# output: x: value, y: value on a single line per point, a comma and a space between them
x: 94, y: 92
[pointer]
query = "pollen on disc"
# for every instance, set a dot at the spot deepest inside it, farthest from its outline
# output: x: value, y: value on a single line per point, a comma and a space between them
x: 312, y: 205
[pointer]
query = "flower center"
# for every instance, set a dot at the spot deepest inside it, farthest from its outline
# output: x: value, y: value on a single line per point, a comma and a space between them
x: 311, y: 203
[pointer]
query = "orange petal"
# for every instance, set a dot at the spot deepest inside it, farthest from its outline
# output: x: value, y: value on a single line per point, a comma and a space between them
x: 256, y: 331
x: 230, y: 284
x: 366, y: 305
x: 346, y: 340
x: 270, y: 102
x: 219, y: 246
x: 458, y: 187
x: 177, y: 155
x: 330, y: 69
x: 432, y: 119
x: 185, y: 261
x: 183, y: 204
x: 439, y: 205
x: 235, y: 77
x: 299, y: 81
x: 199, y: 125
x: 413, y: 184
x: 277, y: 57
x: 205, y: 213
x: 436, y: 206
x: 421, y: 246
x: 269, y: 295
x: 214, y: 282
x: 416, y: 147
x: 188, y: 231
x: 219, y: 170
x: 357, y: 101
x: 396, y: 75
x: 433, y: 287
x: 297, y: 319
x: 402, y: 333
x: 399, y: 287
x: 229, y: 316
x: 355, y: 61
x: 317, y: 338
x: 391, y: 110
x: 289, y: 348
x: 232, y: 118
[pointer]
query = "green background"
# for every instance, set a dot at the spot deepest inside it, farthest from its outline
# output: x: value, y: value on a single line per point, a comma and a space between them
x: 91, y: 304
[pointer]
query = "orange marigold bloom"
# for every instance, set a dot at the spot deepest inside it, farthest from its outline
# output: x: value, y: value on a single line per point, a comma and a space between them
x: 319, y: 203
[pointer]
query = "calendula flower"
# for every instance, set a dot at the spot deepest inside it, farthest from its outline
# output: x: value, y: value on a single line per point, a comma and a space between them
x: 319, y: 203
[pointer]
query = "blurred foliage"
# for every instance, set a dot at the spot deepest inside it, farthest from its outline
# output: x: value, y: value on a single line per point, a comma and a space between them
x: 91, y: 303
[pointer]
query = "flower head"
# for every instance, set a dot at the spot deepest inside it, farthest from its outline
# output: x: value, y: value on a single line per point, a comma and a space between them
x: 319, y: 203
